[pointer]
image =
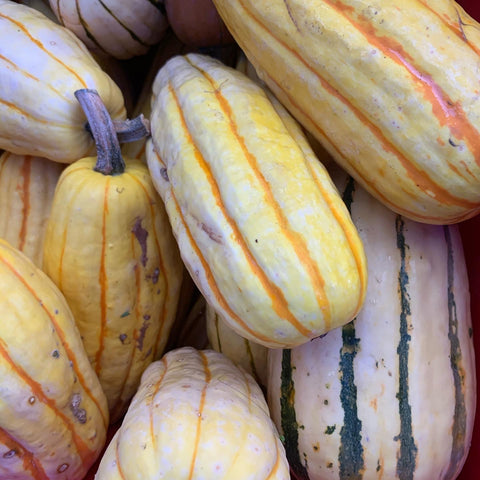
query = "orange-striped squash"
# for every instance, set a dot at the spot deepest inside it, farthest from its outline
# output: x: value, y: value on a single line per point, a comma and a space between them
x: 42, y: 65
x: 122, y: 29
x: 27, y: 185
x: 195, y: 416
x: 53, y: 412
x: 260, y: 225
x: 110, y: 250
x: 389, y: 88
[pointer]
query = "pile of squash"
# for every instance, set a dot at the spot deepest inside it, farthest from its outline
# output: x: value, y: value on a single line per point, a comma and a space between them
x: 229, y: 239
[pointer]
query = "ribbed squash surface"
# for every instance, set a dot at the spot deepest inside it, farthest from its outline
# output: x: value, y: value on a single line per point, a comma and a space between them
x: 43, y: 64
x: 260, y: 225
x: 390, y: 88
x: 391, y: 394
x: 27, y: 185
x: 196, y: 416
x: 109, y: 248
x: 53, y: 412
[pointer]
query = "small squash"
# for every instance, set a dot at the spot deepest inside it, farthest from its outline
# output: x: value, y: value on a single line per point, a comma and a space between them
x: 109, y: 248
x: 195, y: 416
x: 53, y: 412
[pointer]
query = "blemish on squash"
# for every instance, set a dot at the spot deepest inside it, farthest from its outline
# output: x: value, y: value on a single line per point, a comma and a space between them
x: 79, y: 413
x: 316, y: 447
x: 211, y: 234
x: 125, y: 314
x: 141, y: 235
x: 61, y: 468
x: 10, y: 454
x: 164, y: 174
x: 122, y: 337
x: 330, y: 429
x: 142, y: 332
x: 55, y: 354
x: 31, y: 400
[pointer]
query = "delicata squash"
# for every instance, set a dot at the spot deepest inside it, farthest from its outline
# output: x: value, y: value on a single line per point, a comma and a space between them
x: 42, y: 64
x: 110, y: 250
x: 389, y: 88
x: 260, y: 225
x: 53, y: 412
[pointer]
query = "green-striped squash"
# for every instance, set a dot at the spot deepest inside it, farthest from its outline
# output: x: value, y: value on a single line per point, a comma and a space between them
x: 390, y: 88
x: 195, y: 416
x: 390, y: 395
x: 259, y: 223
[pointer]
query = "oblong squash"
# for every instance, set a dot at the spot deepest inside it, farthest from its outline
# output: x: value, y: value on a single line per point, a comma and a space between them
x: 53, y: 412
x: 260, y: 225
x: 42, y: 65
x: 110, y: 250
x: 196, y: 416
x: 121, y: 29
x: 390, y: 90
x: 391, y: 394
x: 27, y: 185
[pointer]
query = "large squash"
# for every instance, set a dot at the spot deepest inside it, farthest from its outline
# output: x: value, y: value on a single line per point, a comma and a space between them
x: 42, y: 65
x: 390, y: 88
x: 109, y: 248
x: 260, y: 225
x: 392, y: 394
x: 53, y: 412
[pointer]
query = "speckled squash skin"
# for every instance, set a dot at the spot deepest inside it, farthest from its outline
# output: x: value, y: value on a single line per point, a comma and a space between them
x: 27, y: 185
x: 259, y: 223
x: 390, y: 90
x: 109, y: 248
x: 122, y: 29
x: 392, y: 394
x: 195, y: 416
x: 47, y: 63
x: 53, y: 412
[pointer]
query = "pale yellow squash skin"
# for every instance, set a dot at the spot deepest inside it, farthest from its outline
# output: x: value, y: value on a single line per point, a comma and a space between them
x: 110, y: 250
x: 122, y: 29
x: 195, y: 416
x: 260, y: 225
x: 249, y: 355
x: 43, y: 64
x: 391, y: 90
x: 393, y: 394
x: 27, y: 185
x: 53, y: 412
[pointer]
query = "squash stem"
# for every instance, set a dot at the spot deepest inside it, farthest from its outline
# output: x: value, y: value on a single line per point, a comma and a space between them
x: 109, y: 155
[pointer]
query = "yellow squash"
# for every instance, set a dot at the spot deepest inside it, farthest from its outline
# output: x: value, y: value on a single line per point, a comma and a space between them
x: 196, y: 416
x: 27, y: 185
x: 390, y: 88
x: 53, y: 412
x: 110, y: 250
x: 260, y: 225
x: 42, y: 64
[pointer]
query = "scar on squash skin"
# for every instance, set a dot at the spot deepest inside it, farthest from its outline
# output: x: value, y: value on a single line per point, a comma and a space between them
x: 79, y: 413
x: 141, y: 235
x: 290, y: 14
x: 214, y: 236
x: 143, y: 331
